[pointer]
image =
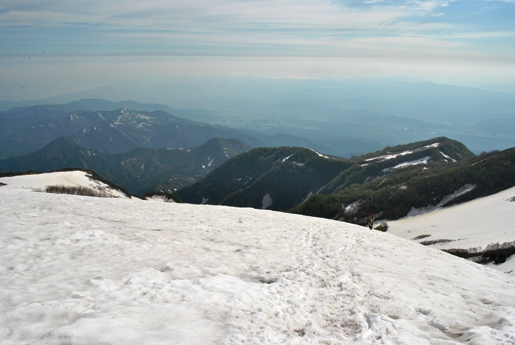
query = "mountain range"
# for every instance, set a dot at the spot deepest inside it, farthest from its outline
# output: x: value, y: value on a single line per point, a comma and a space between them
x: 342, y: 117
x: 390, y: 183
x: 408, y: 187
x: 26, y: 130
x: 139, y: 170
x: 144, y: 151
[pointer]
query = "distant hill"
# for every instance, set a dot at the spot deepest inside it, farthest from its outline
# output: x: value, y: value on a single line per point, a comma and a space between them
x: 86, y: 104
x: 23, y: 114
x: 342, y: 117
x: 373, y: 112
x: 390, y: 182
x: 26, y: 130
x: 411, y: 183
x: 392, y: 160
x: 139, y: 170
x: 114, y: 131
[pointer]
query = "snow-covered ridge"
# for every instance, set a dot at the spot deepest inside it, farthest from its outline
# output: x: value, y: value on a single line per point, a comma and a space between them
x: 283, y: 160
x: 448, y: 157
x: 293, y: 162
x: 59, y: 178
x: 94, y: 270
x: 128, y: 115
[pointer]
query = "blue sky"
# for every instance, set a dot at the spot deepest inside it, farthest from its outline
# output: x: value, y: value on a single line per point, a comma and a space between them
x: 61, y: 43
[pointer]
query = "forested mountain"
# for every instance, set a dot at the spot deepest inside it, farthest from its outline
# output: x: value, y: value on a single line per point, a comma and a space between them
x: 411, y: 187
x: 140, y: 151
x: 382, y: 163
x: 389, y: 183
x: 139, y: 170
x: 274, y: 178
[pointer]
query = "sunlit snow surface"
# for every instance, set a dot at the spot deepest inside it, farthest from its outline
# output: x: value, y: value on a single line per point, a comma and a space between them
x: 474, y: 224
x: 83, y: 270
x: 60, y: 178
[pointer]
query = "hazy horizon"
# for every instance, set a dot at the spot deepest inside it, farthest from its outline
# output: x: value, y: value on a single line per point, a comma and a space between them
x: 56, y: 48
x: 280, y: 67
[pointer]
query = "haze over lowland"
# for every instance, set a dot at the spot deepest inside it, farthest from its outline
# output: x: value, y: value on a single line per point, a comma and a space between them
x: 278, y: 64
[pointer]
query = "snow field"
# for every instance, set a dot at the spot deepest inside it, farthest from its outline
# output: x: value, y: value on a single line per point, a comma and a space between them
x: 473, y: 224
x: 83, y: 270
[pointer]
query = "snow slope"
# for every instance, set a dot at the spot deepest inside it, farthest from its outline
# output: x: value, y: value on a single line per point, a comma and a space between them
x: 59, y: 178
x: 83, y: 270
x: 473, y: 224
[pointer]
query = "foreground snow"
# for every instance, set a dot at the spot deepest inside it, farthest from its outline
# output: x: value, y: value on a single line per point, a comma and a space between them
x: 82, y: 270
x: 474, y: 224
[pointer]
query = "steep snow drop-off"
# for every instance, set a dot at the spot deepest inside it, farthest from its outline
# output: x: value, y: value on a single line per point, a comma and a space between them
x: 83, y: 270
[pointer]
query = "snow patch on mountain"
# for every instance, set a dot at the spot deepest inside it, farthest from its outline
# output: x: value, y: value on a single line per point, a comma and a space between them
x: 319, y: 154
x: 448, y: 157
x: 286, y: 158
x: 445, y: 200
x: 422, y: 160
x: 404, y: 153
x: 307, y: 197
x: 267, y: 201
x: 352, y: 208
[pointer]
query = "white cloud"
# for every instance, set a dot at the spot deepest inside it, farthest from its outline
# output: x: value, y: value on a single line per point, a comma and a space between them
x: 226, y: 14
x: 430, y: 5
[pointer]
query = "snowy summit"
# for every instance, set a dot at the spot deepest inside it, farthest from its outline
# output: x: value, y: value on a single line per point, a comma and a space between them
x: 85, y: 270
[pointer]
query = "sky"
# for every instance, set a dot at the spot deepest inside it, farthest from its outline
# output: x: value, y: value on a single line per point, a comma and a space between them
x: 86, y: 270
x: 57, y: 46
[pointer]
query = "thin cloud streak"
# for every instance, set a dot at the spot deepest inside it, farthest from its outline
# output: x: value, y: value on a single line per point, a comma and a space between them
x: 293, y: 24
x: 237, y: 15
